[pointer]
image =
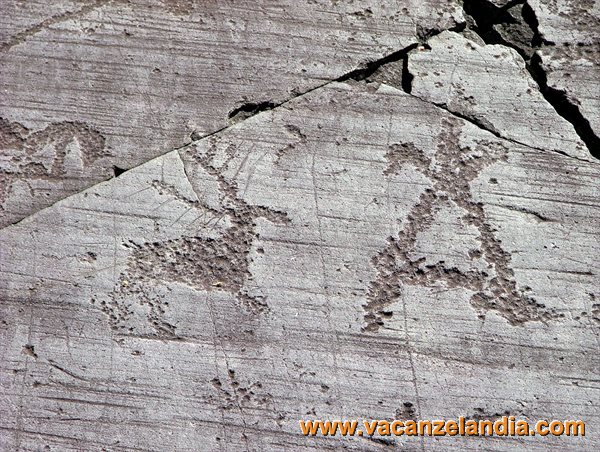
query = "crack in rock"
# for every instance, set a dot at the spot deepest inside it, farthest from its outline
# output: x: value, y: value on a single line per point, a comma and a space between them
x: 515, y: 25
x: 519, y: 114
x: 246, y: 110
x: 451, y: 171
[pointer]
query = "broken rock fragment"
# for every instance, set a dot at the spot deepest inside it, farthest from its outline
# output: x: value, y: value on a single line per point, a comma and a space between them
x: 490, y: 85
x: 572, y: 62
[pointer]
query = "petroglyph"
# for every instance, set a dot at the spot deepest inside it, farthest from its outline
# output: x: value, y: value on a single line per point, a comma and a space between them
x: 58, y: 151
x: 235, y: 395
x: 451, y: 171
x: 226, y: 271
x: 203, y: 263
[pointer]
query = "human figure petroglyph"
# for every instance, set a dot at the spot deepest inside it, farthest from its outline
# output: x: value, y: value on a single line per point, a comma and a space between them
x: 451, y: 170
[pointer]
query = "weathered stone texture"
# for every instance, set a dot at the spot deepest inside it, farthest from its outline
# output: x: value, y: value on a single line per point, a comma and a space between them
x: 491, y: 85
x: 573, y: 63
x: 412, y: 238
x: 152, y: 75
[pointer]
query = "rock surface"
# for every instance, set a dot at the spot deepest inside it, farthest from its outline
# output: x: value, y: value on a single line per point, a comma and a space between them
x: 299, y: 234
x: 572, y: 64
x: 149, y: 76
x: 491, y: 85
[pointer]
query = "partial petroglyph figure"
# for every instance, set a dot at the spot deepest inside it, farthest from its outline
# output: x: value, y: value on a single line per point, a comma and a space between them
x: 45, y: 154
x: 451, y: 170
x: 203, y: 263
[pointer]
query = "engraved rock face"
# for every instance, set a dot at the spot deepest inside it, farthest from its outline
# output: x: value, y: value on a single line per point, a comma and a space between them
x: 40, y: 162
x: 204, y: 263
x: 451, y: 170
x: 220, y: 218
x: 571, y: 64
x: 442, y: 75
x: 154, y: 75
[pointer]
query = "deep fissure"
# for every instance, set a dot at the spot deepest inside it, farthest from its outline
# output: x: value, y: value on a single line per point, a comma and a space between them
x: 484, y: 16
x: 372, y: 67
x: 250, y: 109
x: 557, y: 98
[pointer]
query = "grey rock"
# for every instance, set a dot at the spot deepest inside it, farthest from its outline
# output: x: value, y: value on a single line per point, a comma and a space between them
x: 330, y: 210
x: 148, y: 75
x: 516, y: 30
x: 491, y: 85
x: 220, y: 293
x: 572, y: 64
x: 567, y: 22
